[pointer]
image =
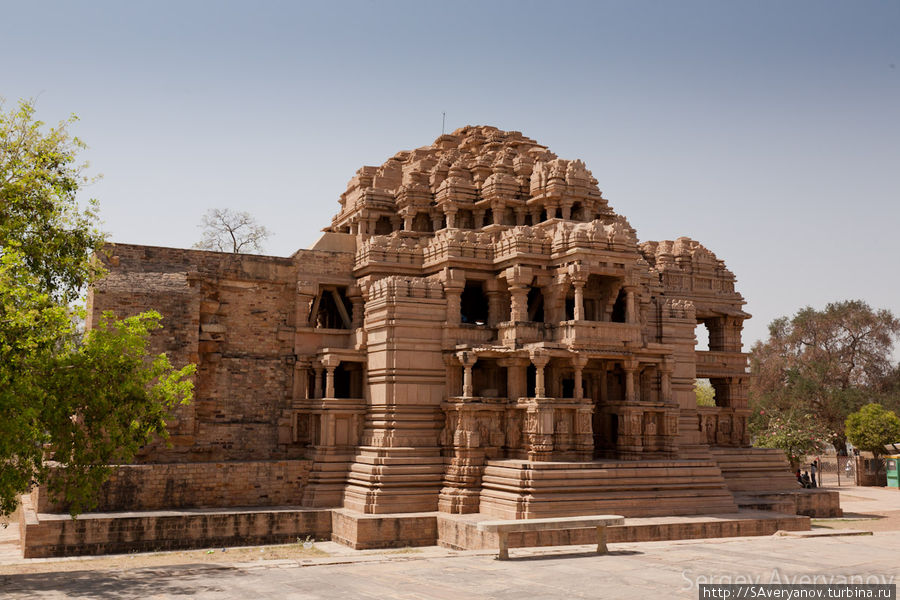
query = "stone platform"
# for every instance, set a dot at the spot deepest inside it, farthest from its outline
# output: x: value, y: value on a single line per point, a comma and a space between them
x: 460, y: 532
x: 736, y: 494
x: 53, y: 534
x: 45, y: 535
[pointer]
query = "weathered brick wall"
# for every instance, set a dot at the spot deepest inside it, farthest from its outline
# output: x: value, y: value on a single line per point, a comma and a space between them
x: 196, y: 485
x: 233, y: 316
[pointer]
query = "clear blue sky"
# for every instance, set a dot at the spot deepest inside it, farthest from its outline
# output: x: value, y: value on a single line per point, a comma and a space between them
x: 768, y: 130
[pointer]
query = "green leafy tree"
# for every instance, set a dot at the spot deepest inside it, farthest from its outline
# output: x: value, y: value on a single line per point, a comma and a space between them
x: 796, y: 434
x: 827, y: 363
x: 67, y: 400
x: 872, y: 427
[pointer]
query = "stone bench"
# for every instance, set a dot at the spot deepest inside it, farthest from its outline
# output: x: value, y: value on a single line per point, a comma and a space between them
x: 504, y: 528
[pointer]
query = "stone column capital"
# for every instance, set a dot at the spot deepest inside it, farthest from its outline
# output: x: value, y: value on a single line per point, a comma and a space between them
x: 579, y: 361
x: 330, y: 361
x: 518, y: 276
x: 539, y: 358
x: 467, y: 358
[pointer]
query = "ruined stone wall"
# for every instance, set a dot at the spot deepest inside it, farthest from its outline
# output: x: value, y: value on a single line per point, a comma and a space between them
x: 230, y: 314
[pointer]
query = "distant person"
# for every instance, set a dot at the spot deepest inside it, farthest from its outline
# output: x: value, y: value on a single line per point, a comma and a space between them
x: 805, y: 481
x: 799, y: 479
x: 813, y: 469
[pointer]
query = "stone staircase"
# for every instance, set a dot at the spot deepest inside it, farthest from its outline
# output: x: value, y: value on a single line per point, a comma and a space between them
x: 752, y: 470
x: 695, y: 452
x: 515, y: 489
x: 761, y: 479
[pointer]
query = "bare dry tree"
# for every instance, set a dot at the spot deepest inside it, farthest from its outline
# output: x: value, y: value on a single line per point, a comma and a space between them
x: 226, y: 230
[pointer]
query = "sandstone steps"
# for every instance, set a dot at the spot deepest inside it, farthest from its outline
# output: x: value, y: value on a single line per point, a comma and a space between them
x: 516, y: 489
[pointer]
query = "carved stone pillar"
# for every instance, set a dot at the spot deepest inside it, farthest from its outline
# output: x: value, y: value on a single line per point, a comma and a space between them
x: 665, y: 382
x: 566, y: 209
x: 330, y: 362
x: 451, y: 218
x: 317, y: 385
x: 630, y: 367
x: 516, y: 376
x: 301, y: 379
x: 454, y: 283
x: 518, y: 300
x: 578, y: 364
x: 604, y: 384
x: 579, y: 299
x: 436, y: 222
x: 468, y: 360
x: 478, y: 216
x: 539, y: 360
x: 554, y: 302
x: 497, y: 210
x: 495, y: 307
x: 551, y: 211
x: 408, y: 219
x: 520, y: 216
x: 630, y: 306
x: 535, y: 215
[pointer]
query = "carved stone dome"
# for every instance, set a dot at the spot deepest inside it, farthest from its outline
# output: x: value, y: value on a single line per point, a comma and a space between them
x: 473, y: 178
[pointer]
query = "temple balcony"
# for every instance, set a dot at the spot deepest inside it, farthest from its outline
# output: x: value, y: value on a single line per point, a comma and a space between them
x: 511, y: 333
x: 596, y: 333
x: 308, y: 340
x: 712, y: 364
x: 480, y: 401
x: 468, y: 334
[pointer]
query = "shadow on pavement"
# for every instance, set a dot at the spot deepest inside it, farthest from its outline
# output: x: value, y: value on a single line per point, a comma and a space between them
x: 574, y: 555
x: 180, y: 580
x: 852, y: 515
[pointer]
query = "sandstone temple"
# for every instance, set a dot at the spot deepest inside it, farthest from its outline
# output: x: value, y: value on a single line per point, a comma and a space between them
x: 477, y: 334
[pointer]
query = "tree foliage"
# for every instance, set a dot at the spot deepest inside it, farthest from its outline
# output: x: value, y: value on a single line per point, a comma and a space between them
x: 705, y: 392
x: 795, y: 433
x: 827, y: 363
x: 39, y: 215
x: 226, y: 230
x: 81, y: 402
x: 872, y: 427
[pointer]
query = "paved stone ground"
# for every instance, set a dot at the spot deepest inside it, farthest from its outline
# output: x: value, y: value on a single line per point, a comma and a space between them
x: 645, y: 570
x: 649, y: 570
